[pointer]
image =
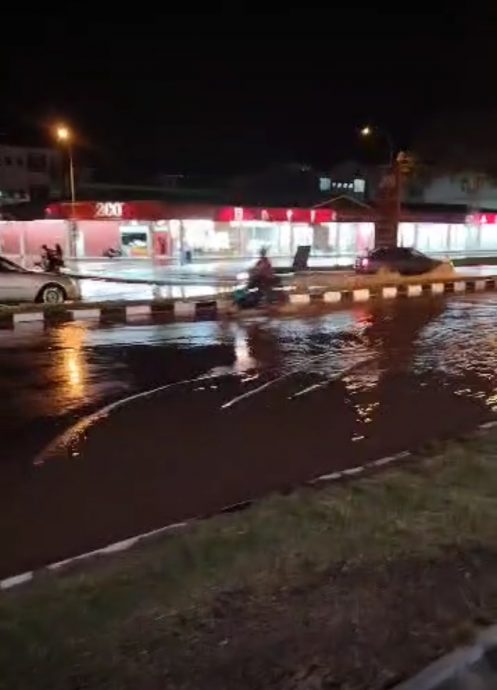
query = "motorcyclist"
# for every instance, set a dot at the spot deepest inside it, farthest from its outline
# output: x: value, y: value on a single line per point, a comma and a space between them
x: 261, y: 275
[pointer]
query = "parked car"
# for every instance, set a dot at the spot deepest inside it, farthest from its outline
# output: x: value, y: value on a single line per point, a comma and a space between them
x: 18, y: 284
x: 404, y: 260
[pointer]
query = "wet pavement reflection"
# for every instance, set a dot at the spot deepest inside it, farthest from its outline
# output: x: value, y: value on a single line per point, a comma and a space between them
x: 266, y: 404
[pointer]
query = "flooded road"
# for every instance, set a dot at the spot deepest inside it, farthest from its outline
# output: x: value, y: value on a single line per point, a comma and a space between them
x: 252, y: 408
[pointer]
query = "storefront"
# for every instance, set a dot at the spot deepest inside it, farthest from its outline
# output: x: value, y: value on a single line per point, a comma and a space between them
x: 152, y: 229
x: 156, y: 229
x: 477, y: 233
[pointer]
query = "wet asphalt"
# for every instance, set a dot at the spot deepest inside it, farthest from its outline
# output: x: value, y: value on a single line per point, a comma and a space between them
x: 237, y: 410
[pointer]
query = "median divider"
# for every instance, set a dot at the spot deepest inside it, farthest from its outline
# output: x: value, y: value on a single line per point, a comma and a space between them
x: 290, y: 301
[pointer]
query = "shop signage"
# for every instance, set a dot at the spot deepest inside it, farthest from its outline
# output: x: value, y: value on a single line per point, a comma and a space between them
x: 482, y: 219
x: 160, y: 210
x: 109, y: 209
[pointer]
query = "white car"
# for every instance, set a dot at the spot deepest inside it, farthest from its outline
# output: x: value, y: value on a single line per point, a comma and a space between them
x: 18, y: 284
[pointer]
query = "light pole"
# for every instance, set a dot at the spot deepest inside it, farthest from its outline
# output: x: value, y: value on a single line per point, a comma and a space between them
x: 64, y: 136
x: 369, y: 131
x: 389, y: 193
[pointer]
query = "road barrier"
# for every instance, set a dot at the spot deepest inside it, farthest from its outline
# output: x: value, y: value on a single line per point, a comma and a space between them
x: 289, y: 302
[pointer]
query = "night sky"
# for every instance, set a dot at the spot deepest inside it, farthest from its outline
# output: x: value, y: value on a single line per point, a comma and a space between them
x: 235, y: 89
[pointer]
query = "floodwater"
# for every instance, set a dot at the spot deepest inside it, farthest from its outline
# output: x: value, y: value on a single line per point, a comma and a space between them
x: 237, y: 410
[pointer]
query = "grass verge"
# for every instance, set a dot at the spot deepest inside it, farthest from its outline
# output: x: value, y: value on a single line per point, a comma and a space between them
x: 353, y: 586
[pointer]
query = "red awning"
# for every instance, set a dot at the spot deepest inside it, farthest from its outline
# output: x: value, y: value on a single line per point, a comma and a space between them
x: 160, y: 210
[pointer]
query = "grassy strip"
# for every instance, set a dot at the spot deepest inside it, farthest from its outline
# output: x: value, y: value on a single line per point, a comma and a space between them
x: 356, y: 584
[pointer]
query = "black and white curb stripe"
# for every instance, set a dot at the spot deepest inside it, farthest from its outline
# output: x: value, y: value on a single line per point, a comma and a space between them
x: 221, y: 308
x: 154, y: 311
x: 125, y: 544
x: 393, y: 291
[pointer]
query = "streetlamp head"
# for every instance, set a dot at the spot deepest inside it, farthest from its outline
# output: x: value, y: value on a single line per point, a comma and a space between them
x: 366, y: 131
x: 63, y: 133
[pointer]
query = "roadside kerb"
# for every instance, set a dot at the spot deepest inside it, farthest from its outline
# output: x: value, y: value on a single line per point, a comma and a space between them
x: 290, y: 302
x: 316, y: 482
x: 132, y: 541
x: 474, y: 666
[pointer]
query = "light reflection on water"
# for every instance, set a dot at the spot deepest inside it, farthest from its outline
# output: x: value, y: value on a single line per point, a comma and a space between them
x: 73, y: 363
x: 377, y: 352
x: 345, y: 389
x: 438, y: 342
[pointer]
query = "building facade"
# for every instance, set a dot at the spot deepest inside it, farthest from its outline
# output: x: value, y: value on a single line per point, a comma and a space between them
x: 470, y: 189
x: 28, y: 174
x: 164, y: 231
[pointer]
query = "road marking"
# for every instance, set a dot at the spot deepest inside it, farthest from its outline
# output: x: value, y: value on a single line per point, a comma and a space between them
x: 16, y: 580
x: 314, y: 387
x: 184, y: 309
x: 326, y: 477
x: 362, y: 295
x: 389, y: 292
x: 300, y: 299
x: 85, y: 314
x: 353, y: 470
x: 28, y: 317
x: 83, y: 424
x: 138, y: 310
x: 414, y: 290
x: 383, y: 461
x: 332, y: 297
x: 248, y: 394
x: 487, y: 425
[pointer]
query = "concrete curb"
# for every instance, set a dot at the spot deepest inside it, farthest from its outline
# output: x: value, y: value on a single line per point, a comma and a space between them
x: 471, y: 667
x: 222, y: 307
x: 125, y: 544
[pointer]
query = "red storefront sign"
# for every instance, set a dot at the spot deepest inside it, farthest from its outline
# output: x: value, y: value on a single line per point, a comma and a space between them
x: 159, y: 210
x: 275, y: 215
x: 481, y: 219
x: 108, y: 210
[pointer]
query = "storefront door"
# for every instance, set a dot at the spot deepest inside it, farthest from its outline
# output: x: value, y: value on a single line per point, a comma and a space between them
x: 135, y: 240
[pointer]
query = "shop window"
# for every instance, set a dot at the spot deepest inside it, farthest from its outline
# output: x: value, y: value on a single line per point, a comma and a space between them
x: 324, y: 184
x: 332, y: 236
x: 406, y: 236
x: 262, y: 235
x: 284, y: 239
x: 432, y: 237
x: 364, y: 237
x: 134, y: 240
x: 303, y: 234
x: 458, y: 237
x: 347, y: 238
x: 488, y: 237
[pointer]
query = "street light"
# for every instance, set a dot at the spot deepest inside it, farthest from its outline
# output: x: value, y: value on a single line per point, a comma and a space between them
x: 368, y: 131
x: 64, y: 136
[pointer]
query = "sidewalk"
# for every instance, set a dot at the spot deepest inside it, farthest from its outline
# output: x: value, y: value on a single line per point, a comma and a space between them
x: 218, y: 271
x: 222, y: 270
